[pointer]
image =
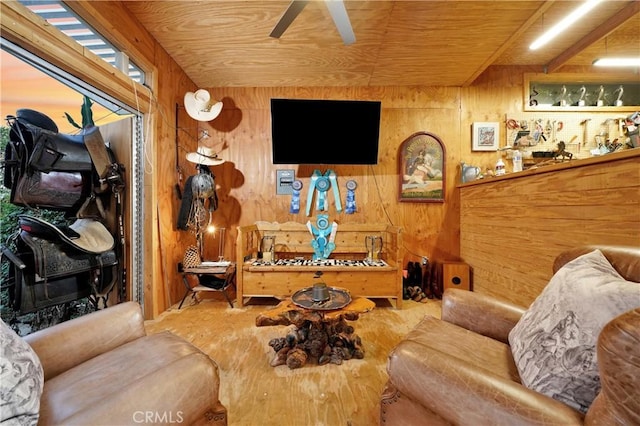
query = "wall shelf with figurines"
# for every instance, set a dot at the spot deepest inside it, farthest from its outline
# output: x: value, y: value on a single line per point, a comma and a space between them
x: 579, y: 92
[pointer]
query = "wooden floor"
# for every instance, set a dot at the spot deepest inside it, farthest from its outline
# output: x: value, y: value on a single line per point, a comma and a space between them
x: 257, y: 394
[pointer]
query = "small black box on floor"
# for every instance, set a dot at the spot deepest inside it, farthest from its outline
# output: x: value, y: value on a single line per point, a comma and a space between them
x: 456, y: 275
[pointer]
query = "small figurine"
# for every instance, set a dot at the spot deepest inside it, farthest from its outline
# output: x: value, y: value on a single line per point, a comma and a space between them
x: 563, y: 96
x: 619, y: 91
x: 562, y: 152
x: 583, y: 92
x: 600, y: 101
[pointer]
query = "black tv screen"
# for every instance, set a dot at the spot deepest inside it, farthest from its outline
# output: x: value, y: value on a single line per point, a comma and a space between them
x: 307, y: 131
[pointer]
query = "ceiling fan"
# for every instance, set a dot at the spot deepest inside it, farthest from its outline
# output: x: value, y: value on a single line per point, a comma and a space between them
x: 336, y: 9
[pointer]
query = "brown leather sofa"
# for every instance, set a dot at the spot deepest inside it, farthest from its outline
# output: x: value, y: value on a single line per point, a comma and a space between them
x: 102, y: 368
x: 460, y: 370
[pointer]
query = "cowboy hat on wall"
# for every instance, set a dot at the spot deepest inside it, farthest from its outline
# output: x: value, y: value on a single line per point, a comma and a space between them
x: 200, y: 106
x: 204, y: 155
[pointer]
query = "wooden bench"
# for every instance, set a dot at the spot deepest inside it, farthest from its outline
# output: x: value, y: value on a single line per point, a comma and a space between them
x: 293, y: 241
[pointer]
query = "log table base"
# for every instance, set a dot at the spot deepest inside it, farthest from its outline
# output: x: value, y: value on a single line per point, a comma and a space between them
x: 319, y: 336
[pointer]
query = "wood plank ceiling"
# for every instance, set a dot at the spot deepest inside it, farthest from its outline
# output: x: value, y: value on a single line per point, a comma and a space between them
x: 401, y: 43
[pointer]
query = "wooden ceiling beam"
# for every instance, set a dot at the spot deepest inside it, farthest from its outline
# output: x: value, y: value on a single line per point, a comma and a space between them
x: 515, y: 36
x: 594, y: 36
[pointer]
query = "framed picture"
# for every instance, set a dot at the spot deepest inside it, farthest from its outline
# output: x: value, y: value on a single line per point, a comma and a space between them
x: 421, y: 171
x: 485, y: 136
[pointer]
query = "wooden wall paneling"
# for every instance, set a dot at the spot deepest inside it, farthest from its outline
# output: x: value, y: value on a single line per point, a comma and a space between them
x: 163, y: 202
x: 435, y: 110
x: 174, y: 126
x: 513, y: 228
x: 496, y: 93
x: 431, y: 229
x: 243, y: 129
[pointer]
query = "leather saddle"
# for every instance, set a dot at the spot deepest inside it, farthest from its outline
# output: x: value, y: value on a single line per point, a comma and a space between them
x: 63, y: 263
x: 59, y: 152
x: 51, y: 261
x: 85, y: 235
x: 48, y: 169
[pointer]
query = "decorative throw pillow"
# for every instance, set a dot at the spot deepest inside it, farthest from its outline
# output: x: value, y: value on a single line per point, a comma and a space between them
x: 554, y: 343
x: 21, y: 380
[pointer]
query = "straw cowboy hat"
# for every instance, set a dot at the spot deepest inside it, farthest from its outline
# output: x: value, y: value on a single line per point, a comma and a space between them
x: 200, y: 106
x: 205, y: 155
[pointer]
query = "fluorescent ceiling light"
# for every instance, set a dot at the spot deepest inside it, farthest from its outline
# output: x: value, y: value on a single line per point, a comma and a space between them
x: 617, y: 62
x: 564, y: 24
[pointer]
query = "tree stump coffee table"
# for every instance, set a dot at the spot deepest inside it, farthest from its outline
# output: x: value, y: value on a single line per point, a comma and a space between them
x: 320, y: 335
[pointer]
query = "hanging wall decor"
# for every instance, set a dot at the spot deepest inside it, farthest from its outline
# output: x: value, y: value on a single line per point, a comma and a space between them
x: 421, y: 163
x: 485, y: 136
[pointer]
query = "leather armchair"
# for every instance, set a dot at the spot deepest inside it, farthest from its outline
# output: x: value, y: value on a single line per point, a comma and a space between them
x: 102, y: 368
x: 460, y: 370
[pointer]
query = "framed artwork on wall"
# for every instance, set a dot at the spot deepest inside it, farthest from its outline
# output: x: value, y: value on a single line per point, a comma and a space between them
x: 421, y: 163
x: 485, y: 136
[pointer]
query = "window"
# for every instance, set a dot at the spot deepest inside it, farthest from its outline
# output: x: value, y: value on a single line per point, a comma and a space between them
x: 106, y: 109
x: 58, y: 15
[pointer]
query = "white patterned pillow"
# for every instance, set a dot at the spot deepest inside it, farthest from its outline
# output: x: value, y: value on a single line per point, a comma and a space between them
x: 554, y: 343
x: 21, y: 380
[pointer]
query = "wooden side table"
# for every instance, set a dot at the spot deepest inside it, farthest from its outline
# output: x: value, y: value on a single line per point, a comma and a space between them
x: 222, y: 276
x: 321, y: 335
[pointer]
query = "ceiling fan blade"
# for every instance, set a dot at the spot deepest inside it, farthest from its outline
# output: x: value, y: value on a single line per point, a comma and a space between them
x: 341, y: 19
x: 295, y: 7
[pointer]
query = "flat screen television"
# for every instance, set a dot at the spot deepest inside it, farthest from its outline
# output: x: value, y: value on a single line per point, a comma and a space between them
x: 308, y: 131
